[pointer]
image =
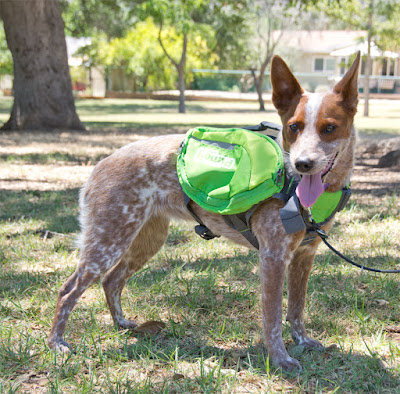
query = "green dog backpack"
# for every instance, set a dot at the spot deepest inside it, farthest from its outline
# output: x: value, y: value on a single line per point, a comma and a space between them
x: 227, y: 171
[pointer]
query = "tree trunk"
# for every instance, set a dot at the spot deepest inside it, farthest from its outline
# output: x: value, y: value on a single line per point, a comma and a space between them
x: 259, y: 84
x: 180, y: 67
x: 42, y: 85
x: 181, y: 88
x: 368, y: 63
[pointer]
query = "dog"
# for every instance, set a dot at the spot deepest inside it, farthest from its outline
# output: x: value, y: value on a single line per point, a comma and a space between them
x: 127, y: 203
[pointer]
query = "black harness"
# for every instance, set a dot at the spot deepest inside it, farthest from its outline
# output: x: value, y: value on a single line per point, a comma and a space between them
x: 293, y: 218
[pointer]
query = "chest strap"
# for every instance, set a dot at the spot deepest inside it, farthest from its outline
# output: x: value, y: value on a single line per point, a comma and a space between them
x: 241, y: 223
x: 293, y: 218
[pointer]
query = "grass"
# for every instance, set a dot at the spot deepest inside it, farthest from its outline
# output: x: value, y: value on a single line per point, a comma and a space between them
x: 206, y: 293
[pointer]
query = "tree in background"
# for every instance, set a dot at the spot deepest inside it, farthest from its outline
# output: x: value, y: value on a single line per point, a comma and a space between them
x: 88, y: 18
x: 269, y: 15
x: 139, y: 53
x: 190, y: 19
x: 42, y: 85
x: 180, y: 15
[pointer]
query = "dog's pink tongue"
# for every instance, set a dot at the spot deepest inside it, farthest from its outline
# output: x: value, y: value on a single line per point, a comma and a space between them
x: 309, y: 189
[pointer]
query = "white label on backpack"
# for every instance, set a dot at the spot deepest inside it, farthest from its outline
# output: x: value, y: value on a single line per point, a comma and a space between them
x: 214, y: 158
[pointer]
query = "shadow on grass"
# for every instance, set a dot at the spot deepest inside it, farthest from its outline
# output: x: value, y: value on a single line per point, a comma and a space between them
x: 6, y: 105
x: 373, y: 134
x: 14, y: 284
x: 156, y: 128
x: 58, y: 209
x: 330, y: 369
x: 49, y: 158
x: 88, y: 107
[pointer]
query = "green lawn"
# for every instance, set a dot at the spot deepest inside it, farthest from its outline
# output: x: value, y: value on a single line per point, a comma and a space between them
x: 126, y: 114
x: 206, y: 293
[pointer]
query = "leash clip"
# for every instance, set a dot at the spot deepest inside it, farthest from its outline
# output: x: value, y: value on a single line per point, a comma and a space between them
x: 204, y: 232
x: 321, y: 233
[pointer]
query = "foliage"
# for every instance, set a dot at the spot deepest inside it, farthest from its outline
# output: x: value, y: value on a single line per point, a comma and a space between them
x: 91, y: 17
x: 6, y: 62
x: 226, y: 19
x: 354, y: 13
x: 232, y: 30
x: 140, y: 54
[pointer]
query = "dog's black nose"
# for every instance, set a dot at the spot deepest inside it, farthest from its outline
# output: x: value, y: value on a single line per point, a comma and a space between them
x: 304, y: 164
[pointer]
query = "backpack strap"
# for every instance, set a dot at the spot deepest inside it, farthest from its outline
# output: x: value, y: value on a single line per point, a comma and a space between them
x: 241, y: 222
x: 201, y: 229
x: 264, y: 126
x: 290, y: 214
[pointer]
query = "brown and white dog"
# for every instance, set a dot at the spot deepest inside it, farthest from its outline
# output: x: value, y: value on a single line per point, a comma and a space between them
x: 130, y: 197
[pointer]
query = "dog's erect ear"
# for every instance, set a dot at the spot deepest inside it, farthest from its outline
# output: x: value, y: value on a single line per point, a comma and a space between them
x: 348, y: 86
x: 285, y: 86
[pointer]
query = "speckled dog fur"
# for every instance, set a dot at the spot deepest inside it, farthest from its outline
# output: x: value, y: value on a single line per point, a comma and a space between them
x: 130, y: 197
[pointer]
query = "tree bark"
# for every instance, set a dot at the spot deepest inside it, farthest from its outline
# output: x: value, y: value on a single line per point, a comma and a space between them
x: 181, y: 76
x: 368, y: 63
x: 270, y: 45
x: 180, y: 68
x: 181, y: 88
x: 42, y: 85
x: 258, y: 81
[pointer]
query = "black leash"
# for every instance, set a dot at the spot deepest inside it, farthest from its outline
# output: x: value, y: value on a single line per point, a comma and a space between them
x: 323, y: 235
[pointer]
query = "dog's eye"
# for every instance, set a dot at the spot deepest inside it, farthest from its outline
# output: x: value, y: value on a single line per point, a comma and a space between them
x: 294, y: 127
x: 329, y: 128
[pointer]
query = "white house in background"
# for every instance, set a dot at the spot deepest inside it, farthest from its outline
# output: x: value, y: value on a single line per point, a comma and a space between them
x: 330, y: 52
x: 73, y: 45
x: 95, y: 78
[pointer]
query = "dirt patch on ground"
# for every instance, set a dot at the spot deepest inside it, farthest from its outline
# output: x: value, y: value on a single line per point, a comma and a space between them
x: 368, y: 177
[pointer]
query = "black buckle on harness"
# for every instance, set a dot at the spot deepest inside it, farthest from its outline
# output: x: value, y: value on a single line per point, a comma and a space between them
x: 204, y: 232
x: 264, y: 126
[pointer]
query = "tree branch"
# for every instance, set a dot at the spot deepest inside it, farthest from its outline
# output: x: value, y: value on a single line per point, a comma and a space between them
x: 164, y: 49
x: 184, y: 49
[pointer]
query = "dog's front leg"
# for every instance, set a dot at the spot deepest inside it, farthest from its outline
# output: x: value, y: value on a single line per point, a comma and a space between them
x: 276, y: 252
x: 273, y: 268
x: 298, y: 273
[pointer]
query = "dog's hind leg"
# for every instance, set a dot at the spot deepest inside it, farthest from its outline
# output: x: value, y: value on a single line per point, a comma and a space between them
x: 100, y: 251
x: 147, y: 243
x: 298, y: 273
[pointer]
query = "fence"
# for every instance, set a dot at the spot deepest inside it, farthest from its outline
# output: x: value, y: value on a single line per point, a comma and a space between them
x: 242, y: 80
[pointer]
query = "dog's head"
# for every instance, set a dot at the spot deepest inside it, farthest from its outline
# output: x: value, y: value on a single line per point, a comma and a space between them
x: 318, y: 134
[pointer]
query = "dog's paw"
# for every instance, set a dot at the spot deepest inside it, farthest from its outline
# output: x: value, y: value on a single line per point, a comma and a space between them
x: 125, y: 324
x: 60, y: 345
x: 309, y: 343
x: 288, y: 365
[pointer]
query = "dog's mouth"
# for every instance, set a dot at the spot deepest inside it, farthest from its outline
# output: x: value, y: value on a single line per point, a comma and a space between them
x: 312, y: 186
